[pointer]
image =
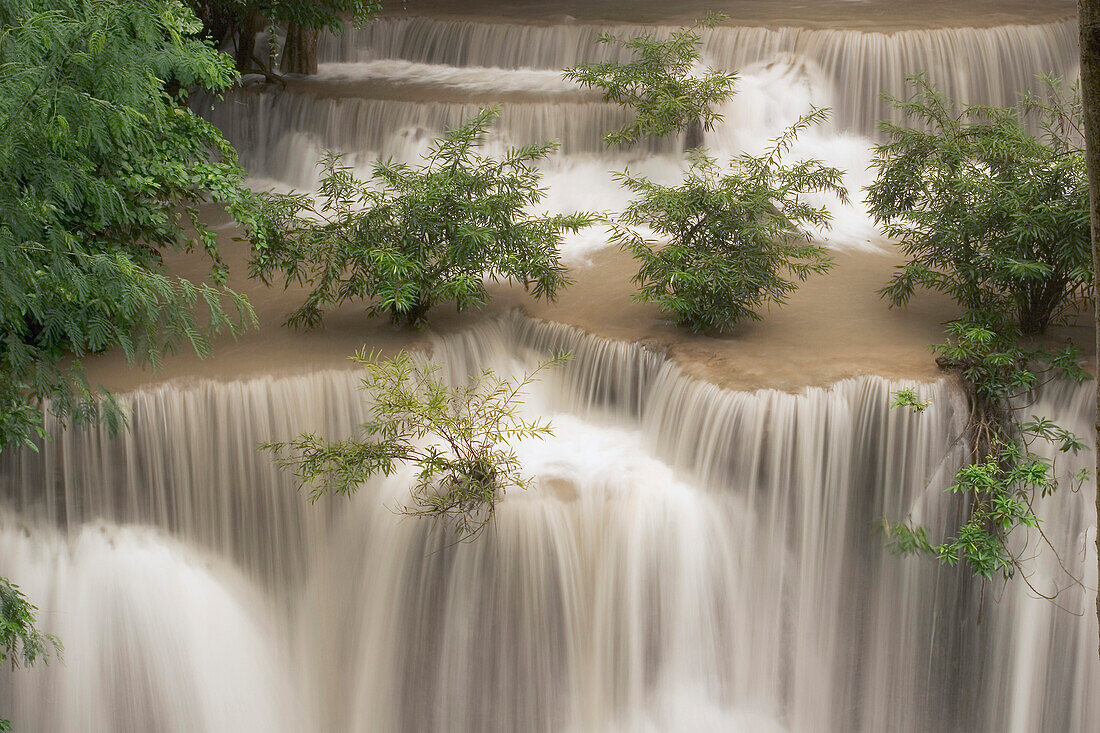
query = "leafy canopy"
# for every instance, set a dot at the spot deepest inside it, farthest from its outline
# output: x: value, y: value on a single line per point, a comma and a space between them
x: 986, y: 212
x: 102, y: 169
x: 998, y: 219
x: 412, y: 237
x: 458, y: 439
x: 726, y: 241
x: 20, y: 642
x: 664, y: 84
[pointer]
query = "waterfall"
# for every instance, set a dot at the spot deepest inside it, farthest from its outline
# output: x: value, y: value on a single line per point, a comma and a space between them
x: 693, y: 559
x: 386, y: 90
x: 981, y: 65
x: 269, y: 126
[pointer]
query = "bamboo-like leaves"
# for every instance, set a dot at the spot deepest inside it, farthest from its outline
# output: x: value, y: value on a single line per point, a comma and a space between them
x: 663, y: 83
x: 986, y: 212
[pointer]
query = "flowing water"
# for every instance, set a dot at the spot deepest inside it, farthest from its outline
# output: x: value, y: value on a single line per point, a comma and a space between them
x: 387, y: 89
x: 692, y: 559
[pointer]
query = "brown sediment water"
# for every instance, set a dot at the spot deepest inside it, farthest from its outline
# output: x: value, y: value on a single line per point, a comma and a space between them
x: 834, y: 327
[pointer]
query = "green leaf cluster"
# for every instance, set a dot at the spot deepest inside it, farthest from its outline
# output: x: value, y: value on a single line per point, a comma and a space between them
x: 998, y: 219
x: 990, y: 356
x: 909, y: 398
x: 986, y: 212
x: 102, y: 169
x: 728, y: 240
x: 664, y: 84
x: 1000, y: 490
x: 1004, y: 476
x: 458, y: 439
x: 412, y: 237
x: 21, y: 644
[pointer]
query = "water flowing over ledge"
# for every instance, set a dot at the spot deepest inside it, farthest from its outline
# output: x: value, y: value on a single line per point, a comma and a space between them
x: 282, y: 135
x: 980, y: 65
x: 695, y: 559
x: 388, y: 89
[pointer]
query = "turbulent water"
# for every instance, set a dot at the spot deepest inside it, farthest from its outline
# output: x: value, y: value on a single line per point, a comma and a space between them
x: 693, y: 559
x: 386, y: 90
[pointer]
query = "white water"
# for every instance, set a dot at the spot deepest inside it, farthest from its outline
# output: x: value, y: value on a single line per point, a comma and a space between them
x: 693, y: 560
x: 156, y: 636
x: 990, y: 65
x: 386, y: 90
x: 282, y: 136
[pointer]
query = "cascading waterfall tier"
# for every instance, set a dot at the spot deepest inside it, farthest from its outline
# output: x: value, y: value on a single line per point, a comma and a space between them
x: 693, y: 559
x: 852, y: 69
x: 386, y: 90
x: 980, y: 65
x: 282, y: 136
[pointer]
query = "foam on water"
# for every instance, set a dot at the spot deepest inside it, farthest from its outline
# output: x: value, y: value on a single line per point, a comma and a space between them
x: 385, y: 91
x: 156, y: 637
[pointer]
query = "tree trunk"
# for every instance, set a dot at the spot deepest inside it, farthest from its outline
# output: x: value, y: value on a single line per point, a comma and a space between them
x: 693, y: 135
x: 1089, y: 21
x: 247, y: 29
x: 300, y: 50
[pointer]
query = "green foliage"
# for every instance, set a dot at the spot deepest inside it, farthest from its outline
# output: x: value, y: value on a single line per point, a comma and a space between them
x: 1004, y: 476
x: 988, y: 354
x: 1000, y: 490
x: 458, y: 438
x: 412, y: 237
x: 664, y: 84
x: 986, y: 212
x: 317, y: 14
x: 102, y: 168
x: 909, y: 398
x: 728, y: 240
x: 20, y: 642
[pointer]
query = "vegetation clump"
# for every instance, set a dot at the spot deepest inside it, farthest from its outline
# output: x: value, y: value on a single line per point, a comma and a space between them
x: 998, y: 219
x: 412, y: 237
x: 664, y: 83
x: 21, y: 644
x: 103, y: 169
x: 236, y: 24
x: 1003, y: 475
x: 986, y: 212
x: 458, y: 439
x: 727, y: 241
